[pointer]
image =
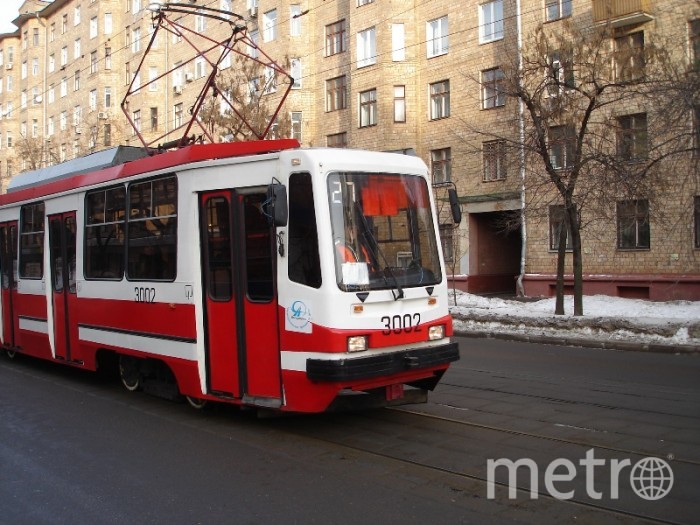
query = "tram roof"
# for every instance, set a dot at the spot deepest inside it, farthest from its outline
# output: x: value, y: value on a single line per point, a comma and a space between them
x: 124, y: 161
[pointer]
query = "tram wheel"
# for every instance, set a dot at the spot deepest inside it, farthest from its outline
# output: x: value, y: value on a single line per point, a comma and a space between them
x: 196, y: 403
x: 11, y: 354
x: 130, y: 373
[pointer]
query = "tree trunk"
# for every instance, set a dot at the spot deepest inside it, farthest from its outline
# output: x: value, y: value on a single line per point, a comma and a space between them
x: 561, y: 266
x: 577, y: 258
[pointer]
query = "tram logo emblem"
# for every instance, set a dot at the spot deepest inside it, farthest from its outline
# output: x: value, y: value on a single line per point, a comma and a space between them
x: 298, y: 318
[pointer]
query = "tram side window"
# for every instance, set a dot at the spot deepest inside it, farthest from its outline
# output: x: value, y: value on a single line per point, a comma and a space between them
x: 8, y: 256
x: 104, y: 233
x: 31, y: 258
x: 304, y: 262
x: 152, y: 230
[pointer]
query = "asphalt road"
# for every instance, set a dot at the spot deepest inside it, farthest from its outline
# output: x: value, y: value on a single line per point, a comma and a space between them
x: 76, y: 448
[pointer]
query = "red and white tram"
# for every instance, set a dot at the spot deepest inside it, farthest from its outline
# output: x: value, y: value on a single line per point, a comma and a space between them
x: 253, y: 273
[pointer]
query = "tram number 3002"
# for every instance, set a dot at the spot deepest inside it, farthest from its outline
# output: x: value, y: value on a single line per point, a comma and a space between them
x: 144, y: 295
x: 401, y: 323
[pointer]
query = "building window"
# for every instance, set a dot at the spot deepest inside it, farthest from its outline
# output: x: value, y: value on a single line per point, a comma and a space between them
x: 93, y: 62
x: 296, y: 73
x: 76, y: 49
x: 440, y: 100
x: 633, y: 225
x: 93, y: 27
x: 492, y: 92
x: 270, y: 25
x: 491, y: 21
x: 367, y: 47
x: 200, y: 22
x: 363, y: 2
x: 178, y: 115
x: 270, y: 80
x: 399, y: 103
x: 108, y: 58
x: 560, y: 73
x: 152, y: 78
x: 556, y: 9
x: 368, y: 108
x: 136, y: 40
x: 494, y: 160
x: 697, y: 221
x: 632, y: 137
x: 64, y: 56
x: 107, y: 135
x: 336, y: 94
x: 108, y: 97
x: 336, y: 38
x: 337, y: 140
x: 76, y: 15
x: 154, y: 119
x: 295, y: 20
x: 447, y: 241
x: 629, y: 57
x: 441, y: 165
x: 108, y: 23
x: 296, y: 125
x: 557, y: 222
x: 437, y: 37
x: 398, y: 42
x: 562, y: 146
x: 136, y: 117
x: 92, y: 100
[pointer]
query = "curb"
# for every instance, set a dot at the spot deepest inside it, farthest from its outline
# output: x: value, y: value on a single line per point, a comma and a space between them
x: 665, y: 348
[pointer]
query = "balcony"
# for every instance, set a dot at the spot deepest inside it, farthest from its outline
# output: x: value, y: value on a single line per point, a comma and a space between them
x: 619, y: 13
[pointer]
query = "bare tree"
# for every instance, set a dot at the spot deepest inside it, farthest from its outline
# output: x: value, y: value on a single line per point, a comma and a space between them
x: 243, y: 104
x: 579, y: 154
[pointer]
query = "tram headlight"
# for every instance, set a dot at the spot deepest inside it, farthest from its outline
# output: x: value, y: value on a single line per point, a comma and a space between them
x: 436, y: 332
x: 357, y: 343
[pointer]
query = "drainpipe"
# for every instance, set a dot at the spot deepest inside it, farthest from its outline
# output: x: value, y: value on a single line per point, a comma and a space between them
x: 520, y: 289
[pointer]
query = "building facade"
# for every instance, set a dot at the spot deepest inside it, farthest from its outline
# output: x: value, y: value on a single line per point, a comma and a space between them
x: 423, y: 78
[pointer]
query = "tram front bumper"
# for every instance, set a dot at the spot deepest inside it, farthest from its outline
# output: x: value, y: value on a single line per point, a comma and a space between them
x: 353, y: 369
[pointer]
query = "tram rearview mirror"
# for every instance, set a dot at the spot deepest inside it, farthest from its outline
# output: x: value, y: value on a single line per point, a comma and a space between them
x: 277, y: 197
x: 455, y: 206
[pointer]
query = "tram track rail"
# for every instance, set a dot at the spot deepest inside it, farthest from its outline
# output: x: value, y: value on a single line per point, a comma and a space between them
x: 313, y: 432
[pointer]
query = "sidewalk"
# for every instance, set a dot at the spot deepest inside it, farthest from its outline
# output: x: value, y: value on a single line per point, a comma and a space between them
x: 608, y: 322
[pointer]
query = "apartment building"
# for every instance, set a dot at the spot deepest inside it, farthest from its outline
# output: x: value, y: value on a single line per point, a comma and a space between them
x: 416, y: 77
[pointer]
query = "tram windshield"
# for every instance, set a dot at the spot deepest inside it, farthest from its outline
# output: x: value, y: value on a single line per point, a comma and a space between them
x: 382, y: 231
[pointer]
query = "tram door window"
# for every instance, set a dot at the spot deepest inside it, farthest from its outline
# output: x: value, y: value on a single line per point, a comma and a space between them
x: 8, y: 273
x: 62, y: 243
x: 241, y: 310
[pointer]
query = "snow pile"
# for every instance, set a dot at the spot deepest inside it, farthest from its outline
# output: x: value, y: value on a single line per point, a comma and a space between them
x: 605, y: 318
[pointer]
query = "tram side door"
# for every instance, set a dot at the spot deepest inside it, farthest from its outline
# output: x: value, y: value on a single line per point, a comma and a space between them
x: 239, y: 293
x: 62, y: 239
x: 8, y: 274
